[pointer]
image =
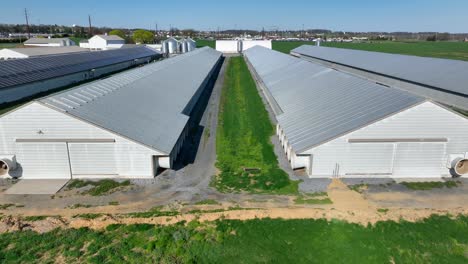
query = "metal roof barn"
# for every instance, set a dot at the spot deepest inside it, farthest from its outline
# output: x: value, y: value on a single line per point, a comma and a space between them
x: 17, y: 72
x: 142, y: 104
x: 317, y: 103
x: 442, y: 80
x: 127, y: 125
x: 13, y: 53
x: 334, y: 123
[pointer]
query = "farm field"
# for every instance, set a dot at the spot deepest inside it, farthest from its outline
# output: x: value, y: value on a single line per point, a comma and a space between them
x: 438, y: 239
x: 9, y: 45
x: 446, y: 50
x: 206, y: 43
x: 246, y: 159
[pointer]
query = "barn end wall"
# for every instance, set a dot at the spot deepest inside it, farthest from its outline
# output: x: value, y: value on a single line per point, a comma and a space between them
x: 439, y: 131
x: 38, y: 122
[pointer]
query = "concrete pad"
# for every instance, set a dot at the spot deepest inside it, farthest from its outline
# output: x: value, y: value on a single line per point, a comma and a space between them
x: 39, y: 186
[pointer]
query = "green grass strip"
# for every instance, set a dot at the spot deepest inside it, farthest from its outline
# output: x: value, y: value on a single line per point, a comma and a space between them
x: 245, y: 154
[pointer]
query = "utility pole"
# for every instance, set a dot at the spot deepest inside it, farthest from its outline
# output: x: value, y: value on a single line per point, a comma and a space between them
x: 90, y: 27
x: 27, y: 22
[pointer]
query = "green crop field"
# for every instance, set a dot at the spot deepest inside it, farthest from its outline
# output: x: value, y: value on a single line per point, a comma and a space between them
x: 206, y: 43
x: 438, y: 239
x: 246, y: 158
x: 439, y: 49
x: 447, y: 50
x: 9, y: 45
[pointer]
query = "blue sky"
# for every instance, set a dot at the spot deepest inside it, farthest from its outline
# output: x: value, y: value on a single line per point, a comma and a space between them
x: 357, y: 15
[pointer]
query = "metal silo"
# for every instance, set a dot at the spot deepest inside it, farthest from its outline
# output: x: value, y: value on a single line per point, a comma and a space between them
x: 184, y: 46
x: 191, y: 44
x: 239, y: 46
x: 172, y: 45
x: 165, y: 47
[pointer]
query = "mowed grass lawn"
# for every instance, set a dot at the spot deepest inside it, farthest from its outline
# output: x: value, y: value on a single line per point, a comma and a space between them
x: 246, y: 159
x: 438, y: 239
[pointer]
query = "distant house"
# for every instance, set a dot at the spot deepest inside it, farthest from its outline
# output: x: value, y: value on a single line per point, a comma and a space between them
x: 49, y: 42
x: 23, y: 53
x: 104, y: 42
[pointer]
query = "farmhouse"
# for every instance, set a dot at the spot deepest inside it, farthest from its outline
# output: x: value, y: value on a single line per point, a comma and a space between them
x: 127, y: 125
x: 441, y: 80
x: 238, y: 46
x: 332, y: 123
x: 27, y: 77
x: 49, y: 42
x: 23, y: 53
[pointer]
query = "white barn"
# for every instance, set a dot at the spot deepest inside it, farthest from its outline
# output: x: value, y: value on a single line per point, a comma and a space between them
x: 49, y: 42
x: 127, y: 125
x: 238, y: 46
x: 104, y: 42
x: 332, y: 123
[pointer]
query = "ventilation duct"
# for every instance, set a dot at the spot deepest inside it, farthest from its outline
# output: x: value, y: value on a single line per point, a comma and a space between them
x: 459, y: 165
x: 7, y: 164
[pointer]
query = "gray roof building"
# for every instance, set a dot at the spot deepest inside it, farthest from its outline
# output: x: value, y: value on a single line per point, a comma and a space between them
x: 33, y: 41
x: 145, y: 104
x: 315, y: 104
x: 441, y: 80
x: 43, y: 51
x: 19, y: 72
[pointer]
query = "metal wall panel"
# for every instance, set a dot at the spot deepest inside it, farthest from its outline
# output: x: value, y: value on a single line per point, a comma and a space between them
x: 369, y: 158
x: 419, y: 159
x: 43, y: 160
x: 92, y: 158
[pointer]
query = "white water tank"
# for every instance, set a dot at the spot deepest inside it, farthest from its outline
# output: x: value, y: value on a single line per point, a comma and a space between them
x: 7, y: 164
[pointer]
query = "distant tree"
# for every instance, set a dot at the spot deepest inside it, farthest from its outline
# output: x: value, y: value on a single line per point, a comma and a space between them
x: 117, y: 32
x: 443, y: 36
x: 188, y: 32
x: 431, y: 38
x: 143, y: 36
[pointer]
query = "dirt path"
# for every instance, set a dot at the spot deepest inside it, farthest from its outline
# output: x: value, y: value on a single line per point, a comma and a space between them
x: 9, y: 223
x: 345, y: 199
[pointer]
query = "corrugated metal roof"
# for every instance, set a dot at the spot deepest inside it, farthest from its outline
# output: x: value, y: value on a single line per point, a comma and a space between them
x: 318, y: 103
x: 41, y: 51
x: 18, y: 72
x: 443, y: 74
x: 45, y: 40
x: 144, y: 104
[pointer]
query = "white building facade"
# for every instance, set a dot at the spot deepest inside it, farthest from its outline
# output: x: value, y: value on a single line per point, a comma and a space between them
x: 238, y: 46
